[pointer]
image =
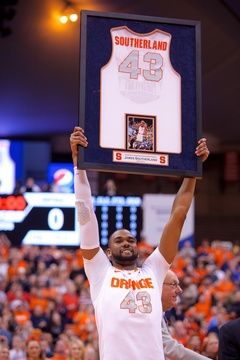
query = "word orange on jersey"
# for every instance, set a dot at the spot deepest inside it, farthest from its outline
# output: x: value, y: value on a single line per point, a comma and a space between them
x: 134, y: 284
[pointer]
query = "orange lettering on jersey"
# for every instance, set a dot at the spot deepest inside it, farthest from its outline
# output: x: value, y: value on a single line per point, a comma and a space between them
x: 142, y: 283
x: 134, y: 284
x: 149, y: 283
x: 124, y: 284
x: 115, y: 282
x: 159, y: 45
x: 131, y: 42
x: 162, y: 45
x: 146, y: 44
x: 140, y: 43
x: 136, y: 43
x: 154, y: 45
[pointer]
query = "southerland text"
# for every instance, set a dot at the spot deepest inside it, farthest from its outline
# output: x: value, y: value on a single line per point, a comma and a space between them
x: 140, y: 43
x: 132, y: 284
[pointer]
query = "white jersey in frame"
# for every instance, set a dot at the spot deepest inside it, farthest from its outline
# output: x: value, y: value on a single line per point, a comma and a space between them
x: 139, y: 79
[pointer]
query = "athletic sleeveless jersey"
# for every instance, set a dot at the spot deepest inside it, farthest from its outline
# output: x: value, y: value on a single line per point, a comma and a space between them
x: 128, y: 307
x: 139, y: 80
x: 141, y: 131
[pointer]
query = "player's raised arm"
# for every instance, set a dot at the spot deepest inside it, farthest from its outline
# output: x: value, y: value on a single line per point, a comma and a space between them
x: 171, y: 234
x: 89, y: 235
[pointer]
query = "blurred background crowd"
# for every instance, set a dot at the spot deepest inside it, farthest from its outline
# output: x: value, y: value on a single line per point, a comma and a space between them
x: 46, y: 310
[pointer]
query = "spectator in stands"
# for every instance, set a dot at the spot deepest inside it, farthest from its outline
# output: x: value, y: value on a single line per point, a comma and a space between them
x: 204, y: 249
x: 20, y: 313
x: 37, y: 298
x: 190, y: 292
x: 144, y: 250
x: 17, y: 294
x: 194, y: 343
x: 233, y: 304
x: 222, y: 252
x: 178, y: 265
x: 210, y: 346
x: 39, y: 319
x: 5, y: 322
x: 180, y: 332
x: 207, y: 288
x: 4, y: 352
x: 217, y: 318
x: 16, y: 263
x: 33, y: 350
x: 48, y: 344
x: 25, y: 331
x: 46, y: 256
x: 60, y: 350
x: 91, y: 353
x: 84, y: 321
x: 76, y: 350
x: 189, y: 270
x: 110, y: 188
x: 4, y: 338
x: 46, y: 350
x: 200, y: 268
x: 17, y: 351
x: 30, y: 186
x: 70, y: 300
x: 225, y: 286
x: 56, y: 325
x: 187, y: 250
x: 4, y: 265
x: 236, y: 273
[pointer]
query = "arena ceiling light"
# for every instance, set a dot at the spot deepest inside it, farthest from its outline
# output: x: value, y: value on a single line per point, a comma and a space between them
x: 69, y: 12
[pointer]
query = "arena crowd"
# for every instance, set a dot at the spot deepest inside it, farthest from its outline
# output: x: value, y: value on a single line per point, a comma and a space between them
x: 45, y: 299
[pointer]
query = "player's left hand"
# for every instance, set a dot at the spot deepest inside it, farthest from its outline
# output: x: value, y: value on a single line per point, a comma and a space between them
x: 77, y: 138
x: 202, y: 149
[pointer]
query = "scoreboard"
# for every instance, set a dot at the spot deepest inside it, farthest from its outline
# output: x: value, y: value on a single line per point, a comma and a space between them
x: 50, y: 218
x: 118, y: 212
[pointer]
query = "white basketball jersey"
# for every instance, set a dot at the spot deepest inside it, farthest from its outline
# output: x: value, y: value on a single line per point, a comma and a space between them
x: 141, y: 131
x: 139, y: 79
x: 128, y: 307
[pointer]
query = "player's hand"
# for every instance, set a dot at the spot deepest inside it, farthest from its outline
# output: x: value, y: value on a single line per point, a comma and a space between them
x: 202, y: 149
x: 77, y: 138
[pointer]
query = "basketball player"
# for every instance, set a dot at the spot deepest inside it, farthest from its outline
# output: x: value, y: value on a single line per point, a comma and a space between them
x: 125, y: 297
x: 141, y: 130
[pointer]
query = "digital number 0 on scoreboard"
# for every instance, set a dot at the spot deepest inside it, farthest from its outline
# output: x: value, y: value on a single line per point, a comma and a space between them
x: 140, y: 94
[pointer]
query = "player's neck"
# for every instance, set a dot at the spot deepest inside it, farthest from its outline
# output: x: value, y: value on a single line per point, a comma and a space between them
x: 124, y: 266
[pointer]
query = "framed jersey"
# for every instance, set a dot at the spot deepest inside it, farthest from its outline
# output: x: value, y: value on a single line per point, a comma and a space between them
x: 140, y: 94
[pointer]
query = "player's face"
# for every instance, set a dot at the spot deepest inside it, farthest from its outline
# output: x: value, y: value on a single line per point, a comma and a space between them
x: 123, y: 248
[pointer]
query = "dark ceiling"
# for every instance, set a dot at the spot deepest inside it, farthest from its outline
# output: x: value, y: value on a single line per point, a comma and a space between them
x: 40, y: 59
